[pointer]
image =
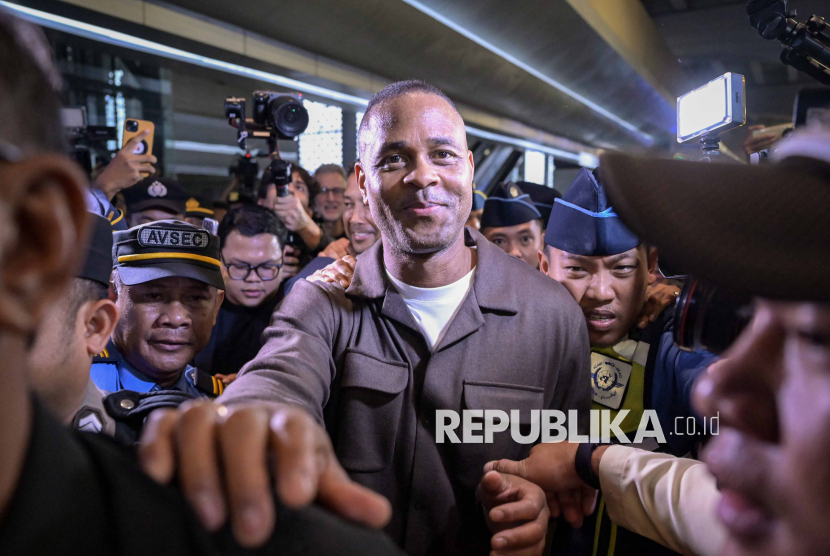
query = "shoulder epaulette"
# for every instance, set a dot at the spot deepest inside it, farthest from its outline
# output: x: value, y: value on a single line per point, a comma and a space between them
x: 109, y: 355
x: 208, y: 384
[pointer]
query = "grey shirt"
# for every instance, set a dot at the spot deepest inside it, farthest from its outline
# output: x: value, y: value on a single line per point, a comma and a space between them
x: 358, y: 361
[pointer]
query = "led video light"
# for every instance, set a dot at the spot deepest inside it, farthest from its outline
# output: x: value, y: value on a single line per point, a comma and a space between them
x: 717, y: 105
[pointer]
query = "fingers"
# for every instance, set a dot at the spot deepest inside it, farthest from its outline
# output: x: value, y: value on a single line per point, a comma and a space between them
x: 130, y: 146
x: 511, y: 467
x: 156, y: 452
x: 493, y: 485
x: 521, y: 510
x: 350, y: 260
x: 528, y: 538
x: 351, y: 500
x: 198, y: 469
x: 294, y: 441
x: 570, y: 502
x: 243, y: 444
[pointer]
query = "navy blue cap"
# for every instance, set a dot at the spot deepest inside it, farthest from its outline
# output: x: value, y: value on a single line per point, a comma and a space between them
x: 156, y: 192
x: 582, y: 222
x: 98, y: 257
x: 167, y: 248
x: 542, y: 196
x: 478, y: 199
x: 508, y: 205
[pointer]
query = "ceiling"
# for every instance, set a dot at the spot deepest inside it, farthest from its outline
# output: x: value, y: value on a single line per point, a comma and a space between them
x: 711, y: 37
x: 395, y: 40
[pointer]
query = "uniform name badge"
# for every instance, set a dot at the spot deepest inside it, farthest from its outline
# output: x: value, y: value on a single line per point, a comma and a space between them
x: 609, y: 377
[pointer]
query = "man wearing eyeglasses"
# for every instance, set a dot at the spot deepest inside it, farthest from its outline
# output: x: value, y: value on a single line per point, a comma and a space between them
x: 168, y: 281
x: 251, y: 239
x: 329, y: 201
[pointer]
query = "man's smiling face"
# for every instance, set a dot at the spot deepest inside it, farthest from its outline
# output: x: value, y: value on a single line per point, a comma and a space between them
x: 416, y: 172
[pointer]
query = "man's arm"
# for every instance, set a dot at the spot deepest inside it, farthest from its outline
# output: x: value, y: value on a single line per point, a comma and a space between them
x: 295, y: 365
x: 669, y: 500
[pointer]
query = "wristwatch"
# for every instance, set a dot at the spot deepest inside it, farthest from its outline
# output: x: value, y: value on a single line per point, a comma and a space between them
x: 583, y: 464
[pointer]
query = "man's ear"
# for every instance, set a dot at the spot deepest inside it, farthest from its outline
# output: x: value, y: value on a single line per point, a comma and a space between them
x: 360, y: 172
x: 100, y: 319
x: 544, y: 265
x: 652, y: 264
x: 42, y: 233
x: 220, y: 298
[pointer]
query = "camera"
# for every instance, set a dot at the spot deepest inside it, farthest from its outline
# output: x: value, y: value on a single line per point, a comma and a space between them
x: 87, y: 141
x: 246, y: 170
x: 275, y: 116
x: 709, y: 318
x: 131, y: 125
x: 806, y: 45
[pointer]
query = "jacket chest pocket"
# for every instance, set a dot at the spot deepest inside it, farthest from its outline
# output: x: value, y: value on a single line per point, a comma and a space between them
x: 369, y: 411
x: 486, y: 396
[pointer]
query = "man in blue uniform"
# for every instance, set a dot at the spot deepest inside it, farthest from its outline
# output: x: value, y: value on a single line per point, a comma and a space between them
x: 607, y: 269
x: 169, y: 285
x: 512, y: 221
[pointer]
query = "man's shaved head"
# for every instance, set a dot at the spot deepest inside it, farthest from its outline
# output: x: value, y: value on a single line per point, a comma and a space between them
x: 391, y: 92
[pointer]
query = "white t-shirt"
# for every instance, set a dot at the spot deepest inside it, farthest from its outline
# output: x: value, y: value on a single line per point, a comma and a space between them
x: 434, y: 308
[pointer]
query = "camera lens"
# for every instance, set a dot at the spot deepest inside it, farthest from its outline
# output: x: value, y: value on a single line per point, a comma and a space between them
x: 288, y: 116
x: 132, y: 125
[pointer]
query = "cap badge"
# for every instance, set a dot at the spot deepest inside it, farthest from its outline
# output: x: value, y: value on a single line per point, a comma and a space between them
x: 514, y: 191
x: 182, y: 239
x: 157, y: 189
x: 192, y: 203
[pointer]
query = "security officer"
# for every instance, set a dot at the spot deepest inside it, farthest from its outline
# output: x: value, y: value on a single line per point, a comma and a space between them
x: 155, y: 198
x: 197, y: 209
x: 512, y: 221
x: 81, y: 324
x: 542, y: 196
x: 607, y: 268
x: 169, y: 285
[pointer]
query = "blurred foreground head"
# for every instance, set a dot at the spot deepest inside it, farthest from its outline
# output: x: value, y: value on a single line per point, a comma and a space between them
x: 760, y: 230
x: 42, y: 228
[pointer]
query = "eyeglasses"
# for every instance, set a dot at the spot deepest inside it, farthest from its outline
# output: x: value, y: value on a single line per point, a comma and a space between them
x: 265, y: 271
x: 337, y: 192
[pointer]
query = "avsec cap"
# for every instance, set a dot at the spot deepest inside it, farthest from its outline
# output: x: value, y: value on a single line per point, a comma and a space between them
x: 167, y: 248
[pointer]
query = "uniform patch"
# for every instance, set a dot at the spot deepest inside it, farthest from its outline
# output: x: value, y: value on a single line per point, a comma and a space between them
x: 609, y: 377
x: 88, y: 420
x: 182, y: 239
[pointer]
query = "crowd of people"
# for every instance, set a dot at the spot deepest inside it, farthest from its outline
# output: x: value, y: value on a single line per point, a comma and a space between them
x: 275, y: 383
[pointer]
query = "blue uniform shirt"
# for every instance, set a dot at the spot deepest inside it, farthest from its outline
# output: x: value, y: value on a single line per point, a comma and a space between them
x: 112, y: 373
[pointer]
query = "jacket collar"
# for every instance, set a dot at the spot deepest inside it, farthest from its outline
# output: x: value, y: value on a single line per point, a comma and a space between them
x: 493, y: 286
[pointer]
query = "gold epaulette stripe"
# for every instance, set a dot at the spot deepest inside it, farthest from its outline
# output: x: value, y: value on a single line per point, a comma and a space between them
x: 152, y: 256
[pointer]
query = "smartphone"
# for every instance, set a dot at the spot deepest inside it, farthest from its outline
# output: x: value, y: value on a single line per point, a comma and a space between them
x: 134, y: 127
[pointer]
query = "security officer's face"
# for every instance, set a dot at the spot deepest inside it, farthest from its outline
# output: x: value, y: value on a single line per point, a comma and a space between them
x: 772, y: 394
x: 164, y: 323
x: 610, y: 290
x: 416, y: 172
x: 357, y: 219
x: 152, y: 215
x: 239, y: 254
x: 523, y: 241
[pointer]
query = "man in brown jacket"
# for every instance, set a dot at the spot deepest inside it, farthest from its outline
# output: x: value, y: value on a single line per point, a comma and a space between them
x: 436, y: 318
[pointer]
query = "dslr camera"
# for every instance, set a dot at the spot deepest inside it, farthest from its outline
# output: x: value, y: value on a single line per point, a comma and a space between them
x: 275, y: 116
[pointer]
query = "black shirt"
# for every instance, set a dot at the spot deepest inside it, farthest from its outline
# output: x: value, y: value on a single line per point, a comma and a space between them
x: 81, y: 494
x: 236, y: 337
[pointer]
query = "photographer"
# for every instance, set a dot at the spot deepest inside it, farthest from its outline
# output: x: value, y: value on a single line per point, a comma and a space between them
x: 294, y: 210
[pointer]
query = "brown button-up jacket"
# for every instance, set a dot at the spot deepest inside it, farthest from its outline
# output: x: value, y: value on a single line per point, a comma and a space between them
x: 359, y: 362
